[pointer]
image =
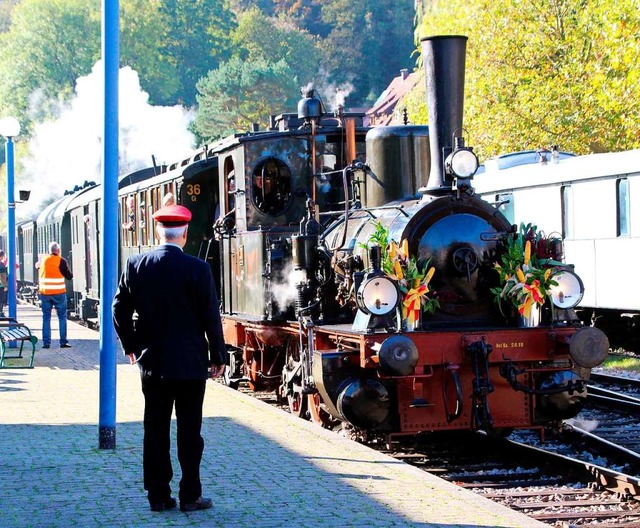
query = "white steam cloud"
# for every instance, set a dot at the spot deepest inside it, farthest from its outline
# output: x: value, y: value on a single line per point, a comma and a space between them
x: 67, y: 152
x: 285, y: 292
x: 340, y: 95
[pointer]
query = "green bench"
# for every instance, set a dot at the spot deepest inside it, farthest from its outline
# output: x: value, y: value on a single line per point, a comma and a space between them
x: 13, y: 331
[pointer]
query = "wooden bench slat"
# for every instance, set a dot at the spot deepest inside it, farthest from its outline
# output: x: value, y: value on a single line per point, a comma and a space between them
x: 12, y: 331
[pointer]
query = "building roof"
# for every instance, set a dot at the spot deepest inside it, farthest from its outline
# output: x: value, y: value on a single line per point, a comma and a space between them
x: 383, y: 110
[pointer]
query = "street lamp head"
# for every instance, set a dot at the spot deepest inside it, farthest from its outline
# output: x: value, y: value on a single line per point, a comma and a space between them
x: 9, y: 127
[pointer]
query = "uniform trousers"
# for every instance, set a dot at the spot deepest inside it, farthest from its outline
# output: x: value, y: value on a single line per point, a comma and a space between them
x: 160, y: 395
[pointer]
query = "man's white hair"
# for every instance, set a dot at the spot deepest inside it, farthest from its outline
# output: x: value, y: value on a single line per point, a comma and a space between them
x: 170, y: 233
x: 54, y: 248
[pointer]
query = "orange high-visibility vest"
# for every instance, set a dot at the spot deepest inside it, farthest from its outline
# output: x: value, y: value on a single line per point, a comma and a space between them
x: 51, y: 278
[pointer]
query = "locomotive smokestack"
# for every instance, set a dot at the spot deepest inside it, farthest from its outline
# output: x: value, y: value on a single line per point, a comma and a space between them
x: 443, y: 58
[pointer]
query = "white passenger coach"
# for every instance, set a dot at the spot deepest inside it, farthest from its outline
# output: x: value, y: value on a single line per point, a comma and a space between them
x: 593, y: 201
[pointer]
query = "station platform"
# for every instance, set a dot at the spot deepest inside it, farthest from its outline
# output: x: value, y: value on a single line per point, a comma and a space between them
x: 261, y: 466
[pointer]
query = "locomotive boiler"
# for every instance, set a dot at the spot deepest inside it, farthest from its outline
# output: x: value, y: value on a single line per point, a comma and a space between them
x: 340, y: 349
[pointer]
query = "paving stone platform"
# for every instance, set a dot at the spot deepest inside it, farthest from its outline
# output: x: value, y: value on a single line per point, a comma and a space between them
x: 261, y: 466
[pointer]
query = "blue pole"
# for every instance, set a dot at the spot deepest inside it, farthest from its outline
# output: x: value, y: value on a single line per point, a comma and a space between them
x: 11, y: 232
x: 109, y: 222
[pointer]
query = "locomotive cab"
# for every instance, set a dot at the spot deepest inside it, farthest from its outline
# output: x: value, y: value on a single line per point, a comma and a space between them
x: 277, y: 173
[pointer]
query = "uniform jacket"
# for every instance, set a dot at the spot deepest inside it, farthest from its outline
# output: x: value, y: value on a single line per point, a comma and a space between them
x: 178, y: 333
x: 52, y: 272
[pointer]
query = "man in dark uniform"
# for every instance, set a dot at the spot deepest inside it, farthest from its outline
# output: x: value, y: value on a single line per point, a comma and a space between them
x: 176, y: 338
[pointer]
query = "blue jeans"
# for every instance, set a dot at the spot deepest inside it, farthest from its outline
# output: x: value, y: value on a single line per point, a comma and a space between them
x: 47, y: 303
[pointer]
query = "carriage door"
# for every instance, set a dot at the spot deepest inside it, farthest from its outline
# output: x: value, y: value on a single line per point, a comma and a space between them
x: 88, y: 265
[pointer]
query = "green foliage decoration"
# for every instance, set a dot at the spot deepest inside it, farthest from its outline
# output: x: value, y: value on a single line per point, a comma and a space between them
x: 412, y: 275
x: 526, y: 269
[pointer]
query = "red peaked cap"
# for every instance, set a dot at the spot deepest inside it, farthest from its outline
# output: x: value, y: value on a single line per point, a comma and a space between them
x: 172, y: 216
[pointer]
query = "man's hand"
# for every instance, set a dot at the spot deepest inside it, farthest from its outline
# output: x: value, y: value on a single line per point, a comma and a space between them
x: 216, y: 371
x: 132, y: 359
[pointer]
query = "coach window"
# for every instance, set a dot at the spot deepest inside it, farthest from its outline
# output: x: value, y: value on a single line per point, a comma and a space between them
x: 142, y: 215
x: 169, y: 195
x: 623, y: 211
x: 271, y: 187
x: 504, y: 202
x: 230, y: 185
x: 129, y: 220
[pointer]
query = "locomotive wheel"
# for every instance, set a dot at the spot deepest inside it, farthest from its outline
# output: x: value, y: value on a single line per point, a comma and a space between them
x: 292, y: 381
x: 226, y: 380
x: 319, y: 414
x: 298, y: 404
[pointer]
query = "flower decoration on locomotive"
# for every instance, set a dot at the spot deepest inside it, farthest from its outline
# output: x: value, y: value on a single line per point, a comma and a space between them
x: 412, y: 275
x: 529, y: 268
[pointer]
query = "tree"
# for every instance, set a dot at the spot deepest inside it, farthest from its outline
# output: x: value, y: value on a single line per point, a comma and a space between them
x: 306, y: 13
x: 548, y: 72
x: 240, y: 93
x: 370, y: 42
x: 239, y: 6
x: 273, y: 39
x: 258, y: 81
x: 49, y: 45
x: 142, y: 31
x: 6, y: 8
x: 196, y: 39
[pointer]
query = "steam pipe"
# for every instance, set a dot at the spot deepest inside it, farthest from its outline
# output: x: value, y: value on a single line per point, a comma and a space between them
x: 444, y: 63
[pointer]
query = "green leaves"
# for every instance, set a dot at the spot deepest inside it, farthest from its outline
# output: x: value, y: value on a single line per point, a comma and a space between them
x: 240, y: 93
x: 541, y: 73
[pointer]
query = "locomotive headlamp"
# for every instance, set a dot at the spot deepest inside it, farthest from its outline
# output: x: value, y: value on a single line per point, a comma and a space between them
x: 569, y: 291
x: 378, y: 295
x: 461, y: 163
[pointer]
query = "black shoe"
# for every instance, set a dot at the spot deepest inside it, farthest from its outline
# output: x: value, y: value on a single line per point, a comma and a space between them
x: 46, y: 346
x: 166, y: 504
x: 200, y: 504
x: 66, y: 345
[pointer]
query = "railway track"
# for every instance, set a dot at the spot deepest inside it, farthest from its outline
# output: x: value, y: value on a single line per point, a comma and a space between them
x: 585, y: 473
x: 557, y: 488
x: 570, y: 479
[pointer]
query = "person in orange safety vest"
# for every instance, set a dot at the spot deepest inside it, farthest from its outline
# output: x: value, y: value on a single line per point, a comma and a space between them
x: 53, y: 270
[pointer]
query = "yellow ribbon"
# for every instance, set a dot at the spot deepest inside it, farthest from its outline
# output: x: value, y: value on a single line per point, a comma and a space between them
x: 412, y: 302
x: 397, y: 268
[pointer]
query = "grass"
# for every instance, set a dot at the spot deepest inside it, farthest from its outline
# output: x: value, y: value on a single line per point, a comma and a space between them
x: 620, y: 362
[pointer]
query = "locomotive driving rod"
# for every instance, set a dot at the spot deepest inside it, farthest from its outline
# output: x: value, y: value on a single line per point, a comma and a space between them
x: 306, y: 355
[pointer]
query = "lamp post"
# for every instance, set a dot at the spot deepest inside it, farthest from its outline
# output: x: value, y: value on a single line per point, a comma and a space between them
x: 10, y: 128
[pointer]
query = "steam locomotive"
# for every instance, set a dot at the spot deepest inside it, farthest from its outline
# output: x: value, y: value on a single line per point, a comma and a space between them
x: 289, y: 218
